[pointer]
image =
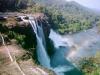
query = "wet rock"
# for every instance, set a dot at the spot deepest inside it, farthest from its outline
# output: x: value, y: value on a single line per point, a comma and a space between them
x: 3, y: 18
x: 26, y: 18
x: 19, y: 19
x: 22, y: 22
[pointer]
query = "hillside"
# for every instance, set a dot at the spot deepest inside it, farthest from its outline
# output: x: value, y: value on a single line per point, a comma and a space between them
x: 70, y: 14
x: 67, y: 7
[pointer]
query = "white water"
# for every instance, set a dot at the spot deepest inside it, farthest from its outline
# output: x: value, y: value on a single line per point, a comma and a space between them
x: 65, y: 48
x: 41, y: 52
x: 58, y: 59
x: 57, y: 62
x: 59, y: 40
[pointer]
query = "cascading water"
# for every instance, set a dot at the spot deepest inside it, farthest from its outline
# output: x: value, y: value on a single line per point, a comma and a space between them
x: 58, y: 62
x: 41, y: 52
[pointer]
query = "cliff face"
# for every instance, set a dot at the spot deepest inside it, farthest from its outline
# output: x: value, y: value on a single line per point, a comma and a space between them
x: 21, y: 24
x: 23, y: 58
x: 13, y: 25
x: 16, y: 29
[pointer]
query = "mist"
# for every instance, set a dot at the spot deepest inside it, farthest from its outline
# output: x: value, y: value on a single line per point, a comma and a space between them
x: 93, y: 4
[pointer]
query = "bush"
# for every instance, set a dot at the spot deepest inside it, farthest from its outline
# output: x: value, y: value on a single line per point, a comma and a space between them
x: 13, y: 4
x: 90, y: 66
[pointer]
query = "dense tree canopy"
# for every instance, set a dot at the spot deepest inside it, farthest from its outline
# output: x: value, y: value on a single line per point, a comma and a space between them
x: 68, y: 17
x: 13, y: 4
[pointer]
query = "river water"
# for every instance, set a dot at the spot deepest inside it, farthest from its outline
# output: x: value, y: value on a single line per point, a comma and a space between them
x: 85, y: 43
x: 70, y: 48
x: 66, y: 48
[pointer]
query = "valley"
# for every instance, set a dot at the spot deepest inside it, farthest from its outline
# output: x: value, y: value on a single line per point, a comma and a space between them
x: 44, y: 37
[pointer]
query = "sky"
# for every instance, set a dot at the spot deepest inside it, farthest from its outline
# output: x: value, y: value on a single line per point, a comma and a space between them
x: 95, y: 4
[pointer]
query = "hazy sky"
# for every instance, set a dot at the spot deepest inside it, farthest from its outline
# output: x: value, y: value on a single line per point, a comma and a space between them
x: 89, y: 3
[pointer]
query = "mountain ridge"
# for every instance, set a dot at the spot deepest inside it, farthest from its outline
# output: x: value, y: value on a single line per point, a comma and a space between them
x: 74, y: 16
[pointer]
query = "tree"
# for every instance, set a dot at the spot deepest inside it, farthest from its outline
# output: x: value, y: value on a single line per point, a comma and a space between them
x: 90, y: 66
x: 13, y: 4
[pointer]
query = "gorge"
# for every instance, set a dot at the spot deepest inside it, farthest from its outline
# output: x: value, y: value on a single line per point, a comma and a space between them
x: 60, y: 60
x: 66, y: 49
x: 44, y: 37
x: 58, y: 64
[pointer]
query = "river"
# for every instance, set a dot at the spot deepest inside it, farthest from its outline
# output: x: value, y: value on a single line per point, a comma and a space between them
x: 67, y: 48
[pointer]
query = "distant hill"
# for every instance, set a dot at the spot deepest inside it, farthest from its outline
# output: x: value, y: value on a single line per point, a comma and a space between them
x: 77, y: 17
x: 67, y: 8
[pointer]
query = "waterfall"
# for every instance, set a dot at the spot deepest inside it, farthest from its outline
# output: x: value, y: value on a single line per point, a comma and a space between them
x: 62, y: 66
x: 57, y: 62
x: 42, y: 55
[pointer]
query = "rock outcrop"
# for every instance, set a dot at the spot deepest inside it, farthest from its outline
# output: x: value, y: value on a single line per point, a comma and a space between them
x: 20, y: 23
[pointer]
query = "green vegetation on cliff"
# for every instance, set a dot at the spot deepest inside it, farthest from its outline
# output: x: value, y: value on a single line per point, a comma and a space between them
x: 91, y: 66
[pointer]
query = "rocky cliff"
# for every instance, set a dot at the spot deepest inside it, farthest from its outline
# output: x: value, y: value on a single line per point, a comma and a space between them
x: 16, y: 26
x: 20, y: 22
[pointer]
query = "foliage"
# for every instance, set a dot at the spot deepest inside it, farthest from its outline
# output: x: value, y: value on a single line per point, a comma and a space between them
x: 26, y: 41
x: 20, y: 39
x: 90, y: 66
x: 13, y: 4
x: 98, y: 23
x: 66, y: 17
